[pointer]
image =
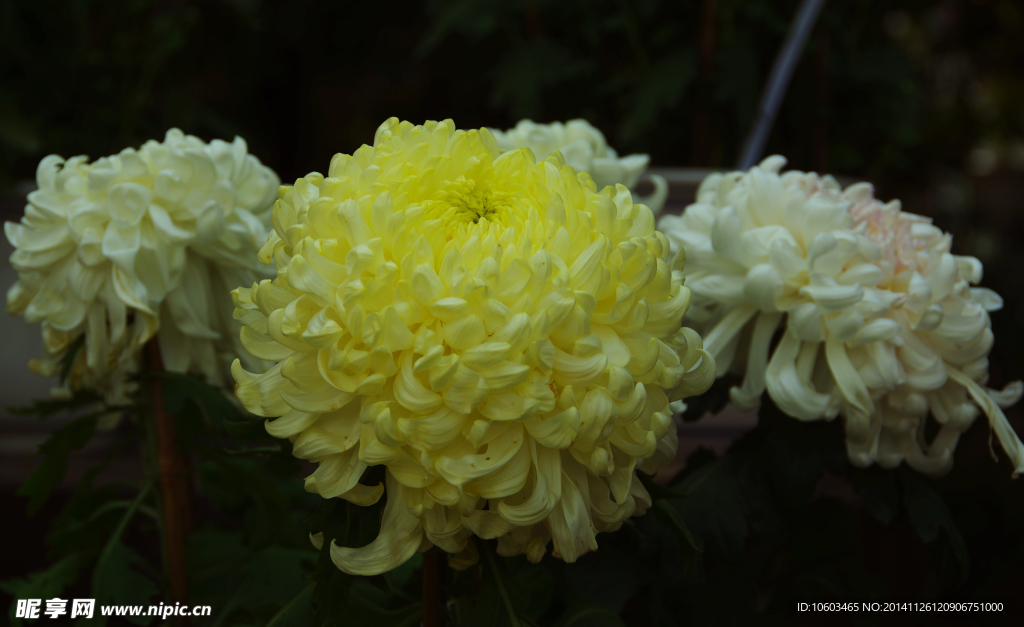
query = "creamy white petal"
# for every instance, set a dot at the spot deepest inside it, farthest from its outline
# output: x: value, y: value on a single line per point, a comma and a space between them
x: 879, y: 314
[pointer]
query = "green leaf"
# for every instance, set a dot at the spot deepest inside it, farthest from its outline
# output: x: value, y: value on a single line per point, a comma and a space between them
x: 44, y: 584
x: 115, y: 581
x: 404, y: 580
x: 177, y: 389
x: 930, y: 516
x: 347, y: 525
x: 608, y: 577
x: 69, y: 357
x: 213, y: 556
x: 660, y: 88
x: 795, y: 453
x: 589, y: 616
x: 49, y: 407
x: 880, y: 491
x: 528, y: 68
x: 16, y: 129
x: 499, y: 604
x: 536, y: 584
x: 248, y: 429
x: 725, y: 496
x: 57, y: 448
x: 263, y: 491
x: 296, y: 613
x: 656, y: 490
x: 255, y: 450
x: 674, y: 519
x: 274, y: 575
x: 469, y: 17
x: 823, y: 555
x: 367, y: 608
x: 252, y: 583
x: 77, y: 527
x: 691, y: 548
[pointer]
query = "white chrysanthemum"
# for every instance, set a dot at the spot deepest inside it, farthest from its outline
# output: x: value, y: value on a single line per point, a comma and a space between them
x: 143, y: 242
x: 504, y: 339
x: 881, y: 323
x: 584, y: 148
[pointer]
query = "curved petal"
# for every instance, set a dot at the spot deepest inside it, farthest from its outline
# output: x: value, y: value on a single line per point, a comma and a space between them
x: 399, y: 537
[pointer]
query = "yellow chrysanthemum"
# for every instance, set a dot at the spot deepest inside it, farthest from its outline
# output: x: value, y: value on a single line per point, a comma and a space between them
x: 499, y: 335
x: 145, y: 242
x: 881, y: 324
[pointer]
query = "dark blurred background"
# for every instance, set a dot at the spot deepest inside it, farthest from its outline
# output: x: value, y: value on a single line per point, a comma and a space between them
x: 923, y: 98
x: 903, y: 92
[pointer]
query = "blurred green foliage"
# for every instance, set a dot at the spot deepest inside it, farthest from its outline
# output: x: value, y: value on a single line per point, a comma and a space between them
x: 737, y: 539
x: 888, y: 90
x: 248, y: 552
x: 922, y: 98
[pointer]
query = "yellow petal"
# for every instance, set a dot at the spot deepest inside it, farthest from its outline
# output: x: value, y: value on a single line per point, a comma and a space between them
x: 449, y: 309
x: 486, y: 355
x: 433, y: 431
x: 260, y: 394
x: 442, y: 372
x: 463, y: 469
x: 511, y: 479
x: 410, y: 393
x: 598, y: 418
x: 543, y: 495
x: 508, y: 406
x: 322, y: 400
x: 466, y: 391
x: 487, y: 525
x: 572, y: 531
x: 262, y: 347
x: 505, y: 375
x: 321, y: 332
x: 557, y: 431
x: 364, y: 495
x: 338, y: 474
x: 399, y: 537
x: 465, y: 332
x: 572, y: 370
x: 291, y: 423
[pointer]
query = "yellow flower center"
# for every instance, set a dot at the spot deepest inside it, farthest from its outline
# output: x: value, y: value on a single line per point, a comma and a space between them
x: 465, y: 202
x: 477, y: 203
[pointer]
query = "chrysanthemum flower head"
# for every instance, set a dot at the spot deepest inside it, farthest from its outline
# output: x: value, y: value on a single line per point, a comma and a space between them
x: 502, y: 337
x: 585, y: 148
x: 880, y: 321
x: 145, y: 242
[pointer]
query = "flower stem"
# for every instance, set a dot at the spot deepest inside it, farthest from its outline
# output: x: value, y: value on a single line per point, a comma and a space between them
x: 492, y: 564
x: 173, y: 471
x: 433, y: 570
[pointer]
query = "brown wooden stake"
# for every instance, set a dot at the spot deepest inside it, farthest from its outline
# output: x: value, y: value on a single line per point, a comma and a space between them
x: 174, y: 490
x: 534, y: 26
x: 703, y: 131
x: 433, y: 571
